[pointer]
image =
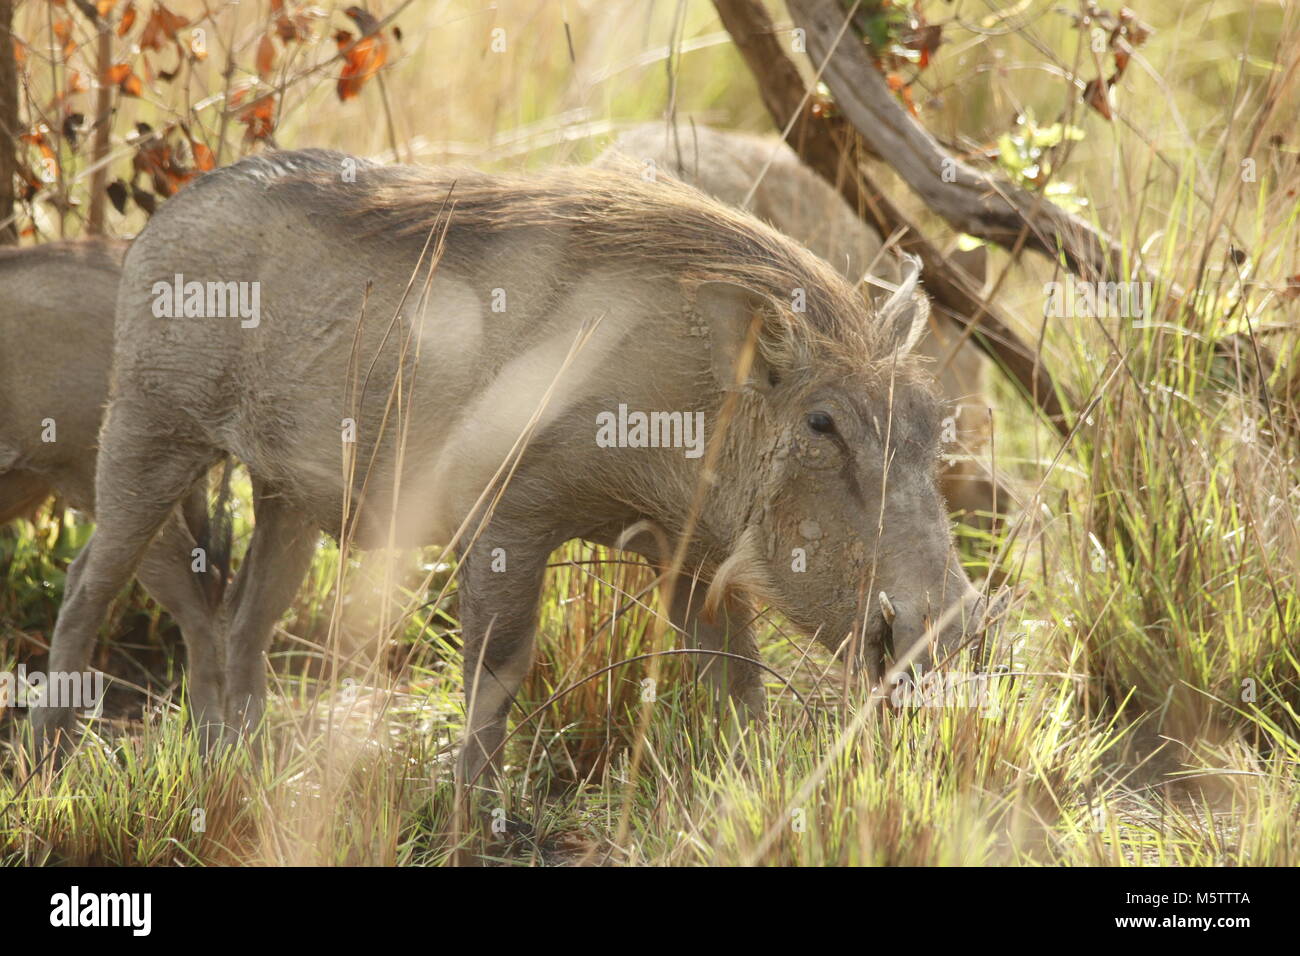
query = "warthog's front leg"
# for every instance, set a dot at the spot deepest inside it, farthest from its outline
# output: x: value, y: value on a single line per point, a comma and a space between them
x: 728, y: 633
x: 281, y: 550
x: 500, y: 584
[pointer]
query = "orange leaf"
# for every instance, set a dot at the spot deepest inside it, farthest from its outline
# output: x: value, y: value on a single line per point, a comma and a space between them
x: 105, y: 7
x: 259, y: 117
x: 36, y: 137
x: 126, y: 80
x: 361, y: 62
x: 63, y: 33
x: 204, y: 161
x: 898, y: 85
x: 49, y: 161
x: 128, y: 20
x: 162, y: 25
x: 20, y: 52
x: 265, y: 56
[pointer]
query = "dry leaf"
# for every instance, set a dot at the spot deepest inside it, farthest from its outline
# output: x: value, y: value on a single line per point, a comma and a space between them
x: 363, y: 59
x: 124, y: 25
x: 265, y: 56
x: 117, y: 194
x: 125, y: 78
x: 925, y: 41
x: 904, y: 92
x: 144, y: 199
x: 295, y: 25
x: 63, y: 33
x: 1097, y: 95
x: 204, y: 161
x: 162, y: 25
x: 259, y: 117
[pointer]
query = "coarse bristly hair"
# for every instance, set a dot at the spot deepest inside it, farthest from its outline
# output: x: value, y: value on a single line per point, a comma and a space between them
x: 605, y: 215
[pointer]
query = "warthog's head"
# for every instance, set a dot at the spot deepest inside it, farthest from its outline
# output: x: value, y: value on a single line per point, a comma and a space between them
x: 832, y: 445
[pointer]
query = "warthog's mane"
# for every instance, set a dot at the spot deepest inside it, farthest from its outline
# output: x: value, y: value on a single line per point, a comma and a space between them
x: 606, y: 216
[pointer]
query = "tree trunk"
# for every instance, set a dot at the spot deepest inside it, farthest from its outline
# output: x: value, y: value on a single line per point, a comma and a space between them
x: 103, y: 130
x: 8, y: 125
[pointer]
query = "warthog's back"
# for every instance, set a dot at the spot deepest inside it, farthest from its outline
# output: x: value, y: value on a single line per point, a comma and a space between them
x: 800, y: 203
x: 56, y: 332
x: 326, y: 250
x: 727, y: 164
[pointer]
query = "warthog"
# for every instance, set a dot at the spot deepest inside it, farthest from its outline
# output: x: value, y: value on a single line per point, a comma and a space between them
x: 56, y: 326
x: 389, y: 398
x: 798, y: 202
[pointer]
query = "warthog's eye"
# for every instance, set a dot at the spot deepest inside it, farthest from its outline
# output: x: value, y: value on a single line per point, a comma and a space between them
x: 821, y: 423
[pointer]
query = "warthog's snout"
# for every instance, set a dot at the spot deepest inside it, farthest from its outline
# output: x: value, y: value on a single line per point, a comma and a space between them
x: 897, y: 641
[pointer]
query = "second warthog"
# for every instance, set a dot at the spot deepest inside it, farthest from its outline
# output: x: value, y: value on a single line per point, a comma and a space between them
x: 382, y: 395
x: 56, y: 343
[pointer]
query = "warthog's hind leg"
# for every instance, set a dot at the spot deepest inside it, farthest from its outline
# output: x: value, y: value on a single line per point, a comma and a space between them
x: 143, y: 471
x: 281, y: 551
x: 167, y: 573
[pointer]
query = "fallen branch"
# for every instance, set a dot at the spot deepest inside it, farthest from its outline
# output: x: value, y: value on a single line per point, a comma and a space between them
x: 972, y: 200
x: 829, y: 145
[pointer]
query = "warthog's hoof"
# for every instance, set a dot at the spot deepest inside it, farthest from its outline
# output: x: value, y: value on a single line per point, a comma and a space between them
x: 53, y: 733
x: 211, y: 735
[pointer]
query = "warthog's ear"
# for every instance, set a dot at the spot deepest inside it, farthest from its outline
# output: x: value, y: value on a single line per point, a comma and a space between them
x: 905, y: 315
x: 748, y: 340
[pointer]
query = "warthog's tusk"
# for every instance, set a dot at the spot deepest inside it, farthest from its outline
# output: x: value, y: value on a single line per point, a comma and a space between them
x: 887, y: 608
